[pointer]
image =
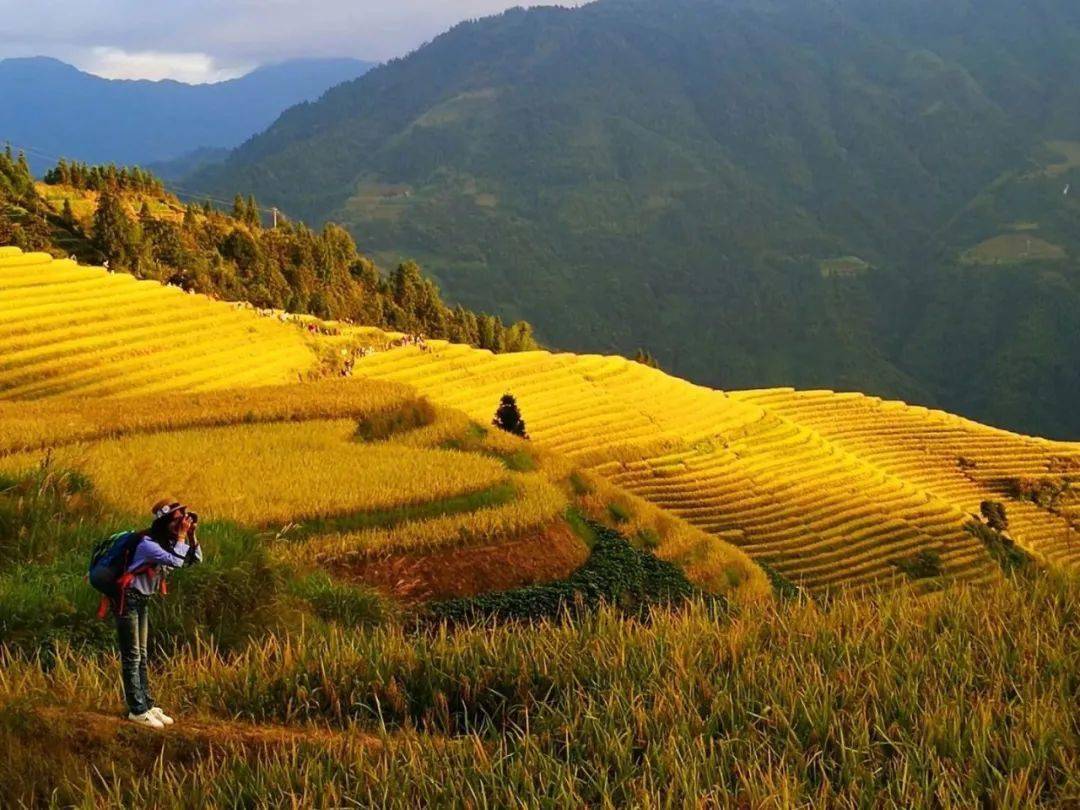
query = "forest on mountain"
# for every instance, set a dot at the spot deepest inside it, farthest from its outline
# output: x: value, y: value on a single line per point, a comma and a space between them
x: 124, y: 217
x: 852, y: 195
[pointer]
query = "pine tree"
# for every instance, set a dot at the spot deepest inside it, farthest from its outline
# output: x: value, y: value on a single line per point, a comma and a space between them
x: 508, y: 417
x: 67, y: 216
x: 645, y: 357
x: 252, y: 215
x: 114, y: 232
x: 519, y: 338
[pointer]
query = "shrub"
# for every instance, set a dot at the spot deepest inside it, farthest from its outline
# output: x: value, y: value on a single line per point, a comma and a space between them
x: 923, y: 564
x: 580, y: 485
x: 1044, y: 492
x: 620, y: 513
x: 1003, y: 550
x: 45, y: 513
x: 383, y: 424
x: 995, y: 515
x: 43, y: 606
x: 649, y: 539
x: 236, y: 591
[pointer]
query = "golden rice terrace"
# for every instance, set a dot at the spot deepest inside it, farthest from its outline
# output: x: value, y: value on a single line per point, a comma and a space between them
x: 828, y: 489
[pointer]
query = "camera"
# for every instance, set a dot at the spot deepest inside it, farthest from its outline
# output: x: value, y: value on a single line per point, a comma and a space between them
x: 194, y: 517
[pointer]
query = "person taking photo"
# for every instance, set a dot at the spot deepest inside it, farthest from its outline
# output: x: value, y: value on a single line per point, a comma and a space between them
x: 129, y: 568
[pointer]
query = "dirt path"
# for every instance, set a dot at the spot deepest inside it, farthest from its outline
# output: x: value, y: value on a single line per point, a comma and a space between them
x: 195, y: 733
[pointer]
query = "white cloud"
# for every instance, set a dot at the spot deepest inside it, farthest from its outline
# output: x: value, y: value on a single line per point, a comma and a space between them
x: 207, y: 40
x: 193, y: 68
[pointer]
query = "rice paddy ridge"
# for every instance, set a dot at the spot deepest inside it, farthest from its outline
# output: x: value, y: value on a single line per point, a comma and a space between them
x: 433, y: 493
x: 67, y: 330
x: 954, y: 458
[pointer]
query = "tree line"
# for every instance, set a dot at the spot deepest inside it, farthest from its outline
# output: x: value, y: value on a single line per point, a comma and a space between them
x: 98, y: 178
x: 23, y: 214
x: 138, y: 228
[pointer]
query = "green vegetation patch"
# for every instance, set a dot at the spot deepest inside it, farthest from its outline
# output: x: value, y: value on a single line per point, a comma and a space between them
x: 616, y: 573
x: 843, y: 266
x: 1013, y: 248
x: 344, y: 603
x: 1046, y: 492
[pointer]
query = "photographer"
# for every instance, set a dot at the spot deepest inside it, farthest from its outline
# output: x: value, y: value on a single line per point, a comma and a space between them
x: 170, y: 542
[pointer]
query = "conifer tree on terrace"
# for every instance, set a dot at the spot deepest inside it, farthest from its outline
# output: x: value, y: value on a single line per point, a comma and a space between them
x: 508, y: 417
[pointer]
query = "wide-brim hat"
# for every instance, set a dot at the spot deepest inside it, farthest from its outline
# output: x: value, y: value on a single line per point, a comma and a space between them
x: 166, y: 508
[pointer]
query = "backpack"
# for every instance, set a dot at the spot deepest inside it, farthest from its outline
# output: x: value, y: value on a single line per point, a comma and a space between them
x: 109, y: 560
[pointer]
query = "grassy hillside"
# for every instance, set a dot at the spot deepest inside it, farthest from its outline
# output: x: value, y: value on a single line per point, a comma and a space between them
x: 681, y: 176
x: 666, y: 594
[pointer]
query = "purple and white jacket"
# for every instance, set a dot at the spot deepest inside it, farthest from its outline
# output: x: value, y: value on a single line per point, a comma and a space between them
x: 156, y: 562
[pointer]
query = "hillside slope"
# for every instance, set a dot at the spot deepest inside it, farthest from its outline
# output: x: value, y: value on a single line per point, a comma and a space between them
x: 67, y: 329
x: 845, y: 195
x: 829, y: 490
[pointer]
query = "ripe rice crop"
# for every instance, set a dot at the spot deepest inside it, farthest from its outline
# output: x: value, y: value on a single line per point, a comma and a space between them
x: 88, y: 343
x: 58, y: 421
x: 534, y: 502
x: 747, y: 469
x: 272, y: 474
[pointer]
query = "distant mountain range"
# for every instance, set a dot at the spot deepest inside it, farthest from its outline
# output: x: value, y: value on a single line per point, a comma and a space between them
x: 57, y: 109
x: 852, y: 194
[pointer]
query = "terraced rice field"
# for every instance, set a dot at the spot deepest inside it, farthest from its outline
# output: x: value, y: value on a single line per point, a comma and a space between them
x: 830, y: 490
x: 954, y: 459
x: 748, y: 468
x: 71, y: 330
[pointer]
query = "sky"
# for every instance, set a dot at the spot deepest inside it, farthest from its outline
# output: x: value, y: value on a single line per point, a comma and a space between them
x: 214, y: 40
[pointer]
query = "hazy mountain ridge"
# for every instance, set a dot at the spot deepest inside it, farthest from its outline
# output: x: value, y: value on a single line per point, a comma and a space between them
x: 56, y: 109
x: 683, y: 176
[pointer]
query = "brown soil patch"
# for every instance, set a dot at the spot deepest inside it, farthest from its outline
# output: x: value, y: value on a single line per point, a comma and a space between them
x: 545, y: 555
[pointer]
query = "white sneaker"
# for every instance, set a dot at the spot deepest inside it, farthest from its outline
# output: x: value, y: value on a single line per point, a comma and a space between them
x: 146, y: 719
x: 161, y: 716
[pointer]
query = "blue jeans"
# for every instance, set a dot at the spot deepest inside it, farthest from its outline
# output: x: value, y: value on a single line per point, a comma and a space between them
x: 132, y: 630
